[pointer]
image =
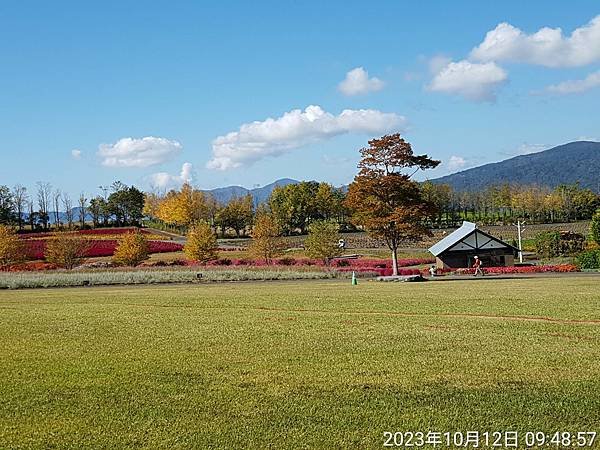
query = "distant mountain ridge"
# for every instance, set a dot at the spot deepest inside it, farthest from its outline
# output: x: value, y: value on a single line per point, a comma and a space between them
x: 565, y: 164
x: 223, y: 195
x: 259, y: 194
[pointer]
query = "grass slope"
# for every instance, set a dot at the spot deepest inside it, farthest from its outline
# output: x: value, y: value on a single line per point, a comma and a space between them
x: 296, y: 364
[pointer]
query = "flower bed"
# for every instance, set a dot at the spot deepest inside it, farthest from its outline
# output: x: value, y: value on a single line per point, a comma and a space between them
x: 36, y: 248
x: 32, y: 266
x: 524, y: 269
x: 384, y: 272
x: 381, y: 267
x: 372, y: 263
x: 97, y: 233
x: 123, y: 230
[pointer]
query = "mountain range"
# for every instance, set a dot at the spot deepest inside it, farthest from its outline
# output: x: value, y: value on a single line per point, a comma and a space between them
x: 565, y: 164
x: 260, y: 194
x: 569, y: 163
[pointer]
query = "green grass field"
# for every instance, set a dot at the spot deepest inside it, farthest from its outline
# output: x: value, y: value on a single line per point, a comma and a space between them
x: 310, y: 364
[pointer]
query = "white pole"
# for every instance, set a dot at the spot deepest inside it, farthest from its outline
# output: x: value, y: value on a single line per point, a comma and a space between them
x: 520, y: 242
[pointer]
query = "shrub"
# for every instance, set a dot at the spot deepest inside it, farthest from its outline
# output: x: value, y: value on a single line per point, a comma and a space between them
x: 343, y: 263
x: 589, y: 260
x: 201, y: 243
x: 11, y: 248
x: 595, y: 228
x: 322, y: 240
x: 131, y: 249
x: 287, y: 261
x: 66, y: 251
x: 550, y: 244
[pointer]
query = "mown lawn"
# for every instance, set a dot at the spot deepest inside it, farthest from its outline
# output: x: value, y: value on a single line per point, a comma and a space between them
x: 311, y: 364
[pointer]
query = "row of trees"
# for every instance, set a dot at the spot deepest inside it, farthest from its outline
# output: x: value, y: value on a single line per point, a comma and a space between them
x: 38, y: 209
x: 321, y: 242
x: 294, y: 207
x: 46, y: 205
x: 506, y: 203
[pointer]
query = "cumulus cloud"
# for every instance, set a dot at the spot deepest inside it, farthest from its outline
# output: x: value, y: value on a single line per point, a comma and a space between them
x: 274, y: 137
x: 576, y: 86
x: 163, y: 180
x: 76, y: 153
x: 437, y: 63
x: 546, y: 47
x: 473, y: 81
x: 357, y: 82
x: 456, y: 163
x: 144, y: 152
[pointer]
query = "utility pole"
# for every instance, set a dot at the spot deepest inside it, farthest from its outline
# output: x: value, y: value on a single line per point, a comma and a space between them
x: 520, y: 230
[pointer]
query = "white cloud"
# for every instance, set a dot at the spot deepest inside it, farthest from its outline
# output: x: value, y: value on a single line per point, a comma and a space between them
x: 576, y: 86
x: 437, y: 63
x: 588, y: 138
x: 144, y: 152
x: 165, y: 180
x: 473, y: 81
x: 274, y: 137
x: 335, y: 160
x: 357, y: 82
x: 76, y: 153
x: 526, y: 149
x: 456, y: 163
x: 546, y: 47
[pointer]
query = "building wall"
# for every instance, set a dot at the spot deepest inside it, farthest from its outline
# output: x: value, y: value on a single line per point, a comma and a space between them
x: 461, y: 259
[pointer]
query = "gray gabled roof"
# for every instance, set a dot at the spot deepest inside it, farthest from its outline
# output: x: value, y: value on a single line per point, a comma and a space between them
x: 453, y: 238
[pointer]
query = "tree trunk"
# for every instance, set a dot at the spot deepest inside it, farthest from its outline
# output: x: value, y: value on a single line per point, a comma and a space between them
x: 395, y: 261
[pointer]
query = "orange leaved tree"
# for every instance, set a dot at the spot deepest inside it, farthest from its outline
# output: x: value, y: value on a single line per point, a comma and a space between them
x: 384, y: 199
x: 132, y: 249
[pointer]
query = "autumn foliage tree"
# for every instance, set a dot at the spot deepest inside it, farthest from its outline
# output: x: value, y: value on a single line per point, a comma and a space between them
x: 201, y: 243
x: 131, y: 250
x: 237, y: 214
x: 11, y: 248
x: 384, y: 200
x: 266, y: 241
x: 181, y: 207
x: 322, y: 240
x: 66, y: 251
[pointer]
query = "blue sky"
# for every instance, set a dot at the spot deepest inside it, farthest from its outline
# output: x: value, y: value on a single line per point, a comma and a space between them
x: 153, y: 93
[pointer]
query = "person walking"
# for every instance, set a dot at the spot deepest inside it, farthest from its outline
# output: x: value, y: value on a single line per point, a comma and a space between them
x: 433, y: 271
x: 477, y: 266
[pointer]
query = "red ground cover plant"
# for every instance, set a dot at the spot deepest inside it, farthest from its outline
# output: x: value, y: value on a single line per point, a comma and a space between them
x: 32, y: 266
x: 36, y: 247
x: 123, y: 230
x: 524, y: 269
x: 93, y: 232
x: 360, y: 265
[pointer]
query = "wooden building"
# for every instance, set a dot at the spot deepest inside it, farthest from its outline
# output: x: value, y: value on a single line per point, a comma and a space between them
x: 459, y: 248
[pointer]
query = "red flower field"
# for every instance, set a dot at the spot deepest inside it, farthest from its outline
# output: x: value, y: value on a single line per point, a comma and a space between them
x: 35, y: 243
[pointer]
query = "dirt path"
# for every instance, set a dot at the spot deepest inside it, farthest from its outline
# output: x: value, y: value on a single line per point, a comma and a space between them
x: 456, y: 315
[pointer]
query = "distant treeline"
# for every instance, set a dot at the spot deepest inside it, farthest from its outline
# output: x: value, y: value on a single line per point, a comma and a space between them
x: 501, y: 204
x: 293, y: 206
